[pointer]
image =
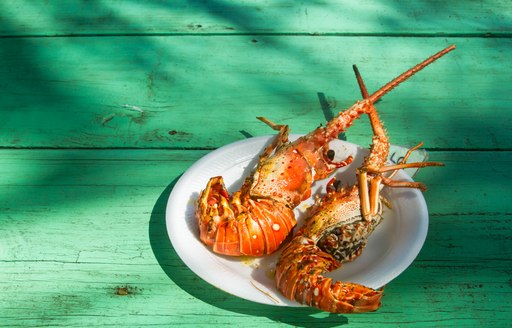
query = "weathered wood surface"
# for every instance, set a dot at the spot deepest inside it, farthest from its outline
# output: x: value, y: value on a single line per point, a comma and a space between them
x: 79, y: 226
x: 153, y: 92
x: 103, y: 105
x: 373, y: 17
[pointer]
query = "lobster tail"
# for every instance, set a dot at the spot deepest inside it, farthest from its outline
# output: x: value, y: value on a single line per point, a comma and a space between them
x: 239, y: 225
x: 299, y: 277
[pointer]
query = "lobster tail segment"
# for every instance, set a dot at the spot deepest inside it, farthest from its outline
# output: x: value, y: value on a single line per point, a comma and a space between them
x: 299, y: 276
x: 237, y: 225
x: 354, y: 298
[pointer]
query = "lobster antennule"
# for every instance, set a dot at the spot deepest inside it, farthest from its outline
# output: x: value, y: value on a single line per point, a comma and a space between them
x: 407, y: 74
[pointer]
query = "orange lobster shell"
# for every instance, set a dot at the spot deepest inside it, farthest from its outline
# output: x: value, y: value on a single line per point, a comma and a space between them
x: 340, y: 224
x: 255, y: 220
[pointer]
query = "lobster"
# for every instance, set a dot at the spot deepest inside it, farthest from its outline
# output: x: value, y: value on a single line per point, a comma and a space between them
x: 255, y: 220
x: 339, y: 224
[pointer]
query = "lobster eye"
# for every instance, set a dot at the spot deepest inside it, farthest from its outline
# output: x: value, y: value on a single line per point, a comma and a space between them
x: 330, y: 154
x: 337, y: 185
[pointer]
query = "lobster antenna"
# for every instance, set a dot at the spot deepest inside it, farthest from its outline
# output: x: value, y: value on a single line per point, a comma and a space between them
x: 362, y: 87
x: 407, y: 74
x: 372, y: 113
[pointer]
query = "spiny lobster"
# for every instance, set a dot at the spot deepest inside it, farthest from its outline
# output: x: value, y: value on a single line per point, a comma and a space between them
x: 255, y: 220
x: 340, y: 223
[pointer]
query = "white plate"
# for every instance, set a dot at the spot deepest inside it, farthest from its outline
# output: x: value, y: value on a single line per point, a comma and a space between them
x: 390, y: 250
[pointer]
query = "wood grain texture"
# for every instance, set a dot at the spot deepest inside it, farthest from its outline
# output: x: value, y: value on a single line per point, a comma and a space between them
x: 388, y: 17
x: 154, y: 92
x: 104, y: 104
x: 84, y: 242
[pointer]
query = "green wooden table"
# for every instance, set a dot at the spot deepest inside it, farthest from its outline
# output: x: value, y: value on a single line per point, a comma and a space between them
x: 105, y: 104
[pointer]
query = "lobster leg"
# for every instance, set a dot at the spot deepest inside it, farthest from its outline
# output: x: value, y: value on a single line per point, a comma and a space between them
x: 403, y: 184
x: 408, y: 165
x: 280, y: 139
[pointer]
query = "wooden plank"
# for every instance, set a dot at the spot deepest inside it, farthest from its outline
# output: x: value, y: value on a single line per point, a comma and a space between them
x: 472, y: 181
x: 83, y: 240
x: 82, y: 228
x: 68, y: 174
x: 234, y: 17
x: 154, y: 92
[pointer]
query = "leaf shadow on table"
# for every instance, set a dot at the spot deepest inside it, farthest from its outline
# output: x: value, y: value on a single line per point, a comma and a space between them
x: 182, y: 276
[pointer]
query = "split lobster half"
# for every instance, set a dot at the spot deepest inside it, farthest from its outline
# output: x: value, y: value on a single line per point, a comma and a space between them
x: 255, y: 220
x: 340, y: 223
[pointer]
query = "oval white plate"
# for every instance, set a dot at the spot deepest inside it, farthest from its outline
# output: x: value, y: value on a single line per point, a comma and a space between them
x: 390, y: 250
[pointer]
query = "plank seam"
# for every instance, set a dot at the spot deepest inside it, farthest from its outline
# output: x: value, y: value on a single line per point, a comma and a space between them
x: 312, y: 34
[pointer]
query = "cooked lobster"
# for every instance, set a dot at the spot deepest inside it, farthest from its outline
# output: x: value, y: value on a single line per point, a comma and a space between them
x: 340, y: 223
x: 255, y: 220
